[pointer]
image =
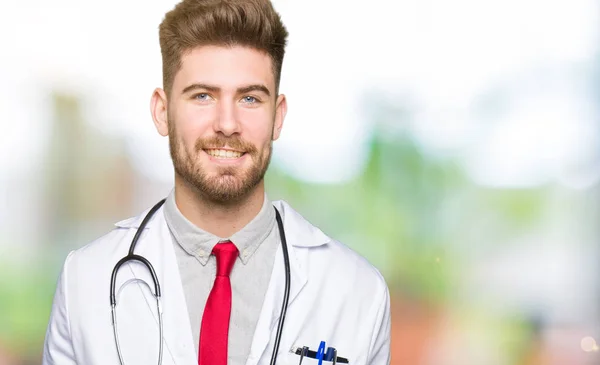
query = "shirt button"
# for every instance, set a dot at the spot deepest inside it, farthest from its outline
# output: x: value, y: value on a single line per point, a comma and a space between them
x: 201, y: 252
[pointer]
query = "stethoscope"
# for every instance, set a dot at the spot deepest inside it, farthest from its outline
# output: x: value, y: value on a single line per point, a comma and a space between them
x: 133, y: 257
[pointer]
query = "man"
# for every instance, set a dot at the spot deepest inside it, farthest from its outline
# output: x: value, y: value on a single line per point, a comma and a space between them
x: 215, y: 244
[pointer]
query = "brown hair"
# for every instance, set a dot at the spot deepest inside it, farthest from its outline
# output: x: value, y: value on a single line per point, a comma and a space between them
x: 194, y: 23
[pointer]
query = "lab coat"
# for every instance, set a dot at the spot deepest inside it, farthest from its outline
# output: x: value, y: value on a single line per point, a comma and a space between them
x: 336, y: 296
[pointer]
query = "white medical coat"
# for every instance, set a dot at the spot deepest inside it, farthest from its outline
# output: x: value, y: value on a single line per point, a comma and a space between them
x: 336, y: 296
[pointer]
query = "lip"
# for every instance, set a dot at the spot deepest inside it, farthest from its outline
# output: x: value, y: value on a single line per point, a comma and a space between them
x: 224, y: 149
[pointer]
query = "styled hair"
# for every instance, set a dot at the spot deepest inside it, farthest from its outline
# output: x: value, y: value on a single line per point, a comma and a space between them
x: 195, y: 23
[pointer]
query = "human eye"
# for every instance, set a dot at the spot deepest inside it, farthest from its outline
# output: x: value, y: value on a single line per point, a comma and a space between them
x: 250, y: 100
x: 202, y: 97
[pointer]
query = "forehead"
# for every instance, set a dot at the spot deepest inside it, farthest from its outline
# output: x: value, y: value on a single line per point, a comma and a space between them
x: 225, y: 67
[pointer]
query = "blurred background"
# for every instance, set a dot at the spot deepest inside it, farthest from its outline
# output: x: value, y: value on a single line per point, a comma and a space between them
x: 455, y: 144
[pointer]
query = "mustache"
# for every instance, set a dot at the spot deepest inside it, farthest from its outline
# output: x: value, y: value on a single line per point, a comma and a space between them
x: 220, y: 141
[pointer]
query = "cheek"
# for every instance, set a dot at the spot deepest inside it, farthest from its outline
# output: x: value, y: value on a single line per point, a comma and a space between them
x: 192, y: 123
x: 257, y: 128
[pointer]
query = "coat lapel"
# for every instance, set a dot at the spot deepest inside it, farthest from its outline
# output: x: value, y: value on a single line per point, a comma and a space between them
x: 271, y: 310
x: 299, y: 234
x: 155, y: 244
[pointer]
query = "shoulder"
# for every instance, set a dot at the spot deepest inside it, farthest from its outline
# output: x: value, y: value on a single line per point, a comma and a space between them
x: 351, y: 270
x: 327, y: 257
x: 104, y: 249
x: 349, y: 257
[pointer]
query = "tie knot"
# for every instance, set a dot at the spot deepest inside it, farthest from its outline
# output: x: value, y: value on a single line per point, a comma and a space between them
x: 226, y: 253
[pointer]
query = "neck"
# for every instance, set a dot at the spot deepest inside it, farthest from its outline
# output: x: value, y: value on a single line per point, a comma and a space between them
x: 222, y: 220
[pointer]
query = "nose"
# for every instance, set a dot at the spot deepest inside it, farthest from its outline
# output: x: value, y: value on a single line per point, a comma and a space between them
x: 226, y: 120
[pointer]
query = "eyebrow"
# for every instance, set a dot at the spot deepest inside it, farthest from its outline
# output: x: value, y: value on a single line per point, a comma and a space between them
x: 193, y: 87
x: 241, y: 90
x: 255, y: 87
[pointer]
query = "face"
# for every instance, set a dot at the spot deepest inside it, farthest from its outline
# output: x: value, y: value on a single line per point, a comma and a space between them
x: 221, y: 116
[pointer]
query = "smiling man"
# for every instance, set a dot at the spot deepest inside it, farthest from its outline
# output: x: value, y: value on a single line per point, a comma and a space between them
x: 217, y: 273
x: 221, y: 113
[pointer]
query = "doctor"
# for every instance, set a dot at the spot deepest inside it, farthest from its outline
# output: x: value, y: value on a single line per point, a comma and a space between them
x: 215, y: 245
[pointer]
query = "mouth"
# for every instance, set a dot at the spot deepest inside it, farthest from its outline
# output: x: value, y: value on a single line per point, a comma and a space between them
x: 222, y: 154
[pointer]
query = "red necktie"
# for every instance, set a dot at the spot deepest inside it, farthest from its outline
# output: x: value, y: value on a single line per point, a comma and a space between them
x: 215, y: 320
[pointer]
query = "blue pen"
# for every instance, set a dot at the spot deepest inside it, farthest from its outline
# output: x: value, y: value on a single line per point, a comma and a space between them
x: 320, y: 352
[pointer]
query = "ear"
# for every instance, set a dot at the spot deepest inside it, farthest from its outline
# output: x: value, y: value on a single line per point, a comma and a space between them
x: 158, y: 109
x: 280, y: 112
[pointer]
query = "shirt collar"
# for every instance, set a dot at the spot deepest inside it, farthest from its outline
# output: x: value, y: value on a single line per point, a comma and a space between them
x: 199, y: 243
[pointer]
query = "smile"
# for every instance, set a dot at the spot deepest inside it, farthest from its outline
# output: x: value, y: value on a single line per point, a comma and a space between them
x: 224, y: 154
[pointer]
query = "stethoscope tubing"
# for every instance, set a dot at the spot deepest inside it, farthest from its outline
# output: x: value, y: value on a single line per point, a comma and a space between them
x: 286, y: 293
x: 157, y: 291
x: 133, y: 257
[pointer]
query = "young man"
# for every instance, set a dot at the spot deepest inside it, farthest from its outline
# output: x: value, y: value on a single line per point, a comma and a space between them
x: 216, y: 245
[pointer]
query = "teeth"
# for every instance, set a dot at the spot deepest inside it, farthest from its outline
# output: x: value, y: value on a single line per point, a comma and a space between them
x: 224, y: 153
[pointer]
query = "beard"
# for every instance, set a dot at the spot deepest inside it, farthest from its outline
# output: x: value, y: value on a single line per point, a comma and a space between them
x: 229, y: 184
